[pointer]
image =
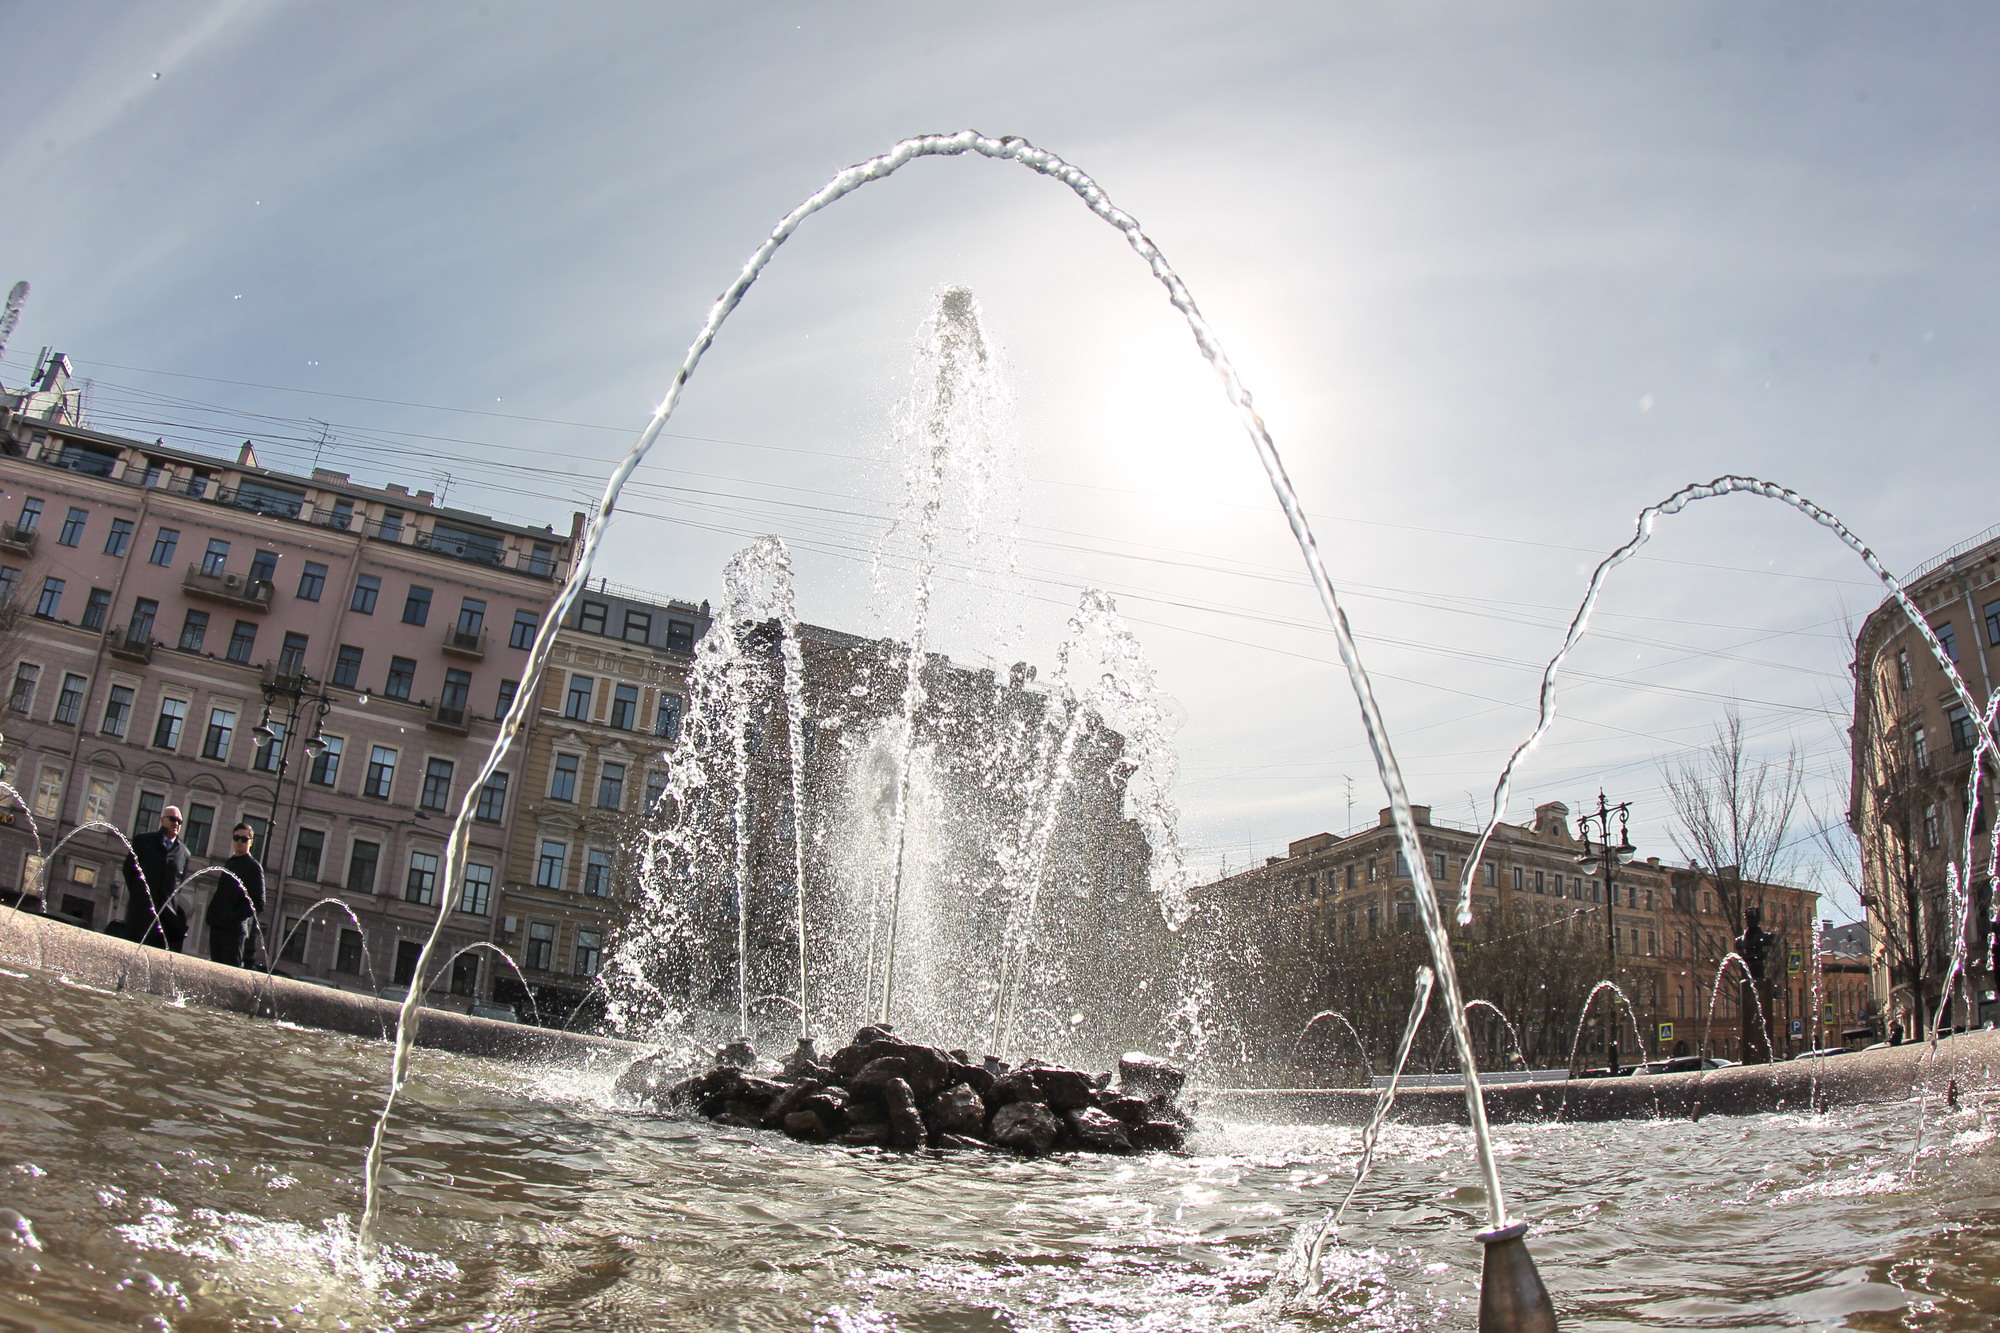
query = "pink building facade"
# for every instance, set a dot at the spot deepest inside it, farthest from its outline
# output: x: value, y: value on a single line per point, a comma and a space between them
x: 162, y: 604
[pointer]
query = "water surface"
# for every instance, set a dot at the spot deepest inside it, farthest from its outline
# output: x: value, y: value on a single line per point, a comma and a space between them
x: 176, y: 1168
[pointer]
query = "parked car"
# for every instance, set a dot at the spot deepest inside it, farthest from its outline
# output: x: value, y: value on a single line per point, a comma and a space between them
x: 1683, y: 1064
x: 1821, y: 1053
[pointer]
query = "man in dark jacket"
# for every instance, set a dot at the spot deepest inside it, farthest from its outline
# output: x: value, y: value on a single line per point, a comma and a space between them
x: 152, y: 874
x: 237, y: 903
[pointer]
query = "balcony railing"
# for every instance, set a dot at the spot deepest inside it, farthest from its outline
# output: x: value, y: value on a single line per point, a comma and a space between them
x: 462, y: 642
x: 230, y: 589
x: 132, y: 647
x: 446, y: 718
x: 17, y: 539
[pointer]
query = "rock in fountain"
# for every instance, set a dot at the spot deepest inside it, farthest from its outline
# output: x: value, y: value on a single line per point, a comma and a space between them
x: 882, y: 1092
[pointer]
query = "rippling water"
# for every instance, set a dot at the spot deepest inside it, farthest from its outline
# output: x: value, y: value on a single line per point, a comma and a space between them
x: 174, y: 1168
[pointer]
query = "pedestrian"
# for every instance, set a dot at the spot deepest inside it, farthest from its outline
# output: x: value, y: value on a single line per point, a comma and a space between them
x: 237, y: 904
x: 1895, y: 1034
x: 153, y: 872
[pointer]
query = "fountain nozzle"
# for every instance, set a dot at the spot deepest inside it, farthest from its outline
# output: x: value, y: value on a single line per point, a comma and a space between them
x: 1512, y: 1298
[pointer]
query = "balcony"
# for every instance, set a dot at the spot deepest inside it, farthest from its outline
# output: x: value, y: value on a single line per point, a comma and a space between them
x: 131, y: 647
x: 16, y: 539
x: 446, y: 718
x: 238, y: 590
x: 462, y: 642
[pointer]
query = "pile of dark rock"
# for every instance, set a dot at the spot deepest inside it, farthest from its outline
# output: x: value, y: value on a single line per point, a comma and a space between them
x: 880, y: 1091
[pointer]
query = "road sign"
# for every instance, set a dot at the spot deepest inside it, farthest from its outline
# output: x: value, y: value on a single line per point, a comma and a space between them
x: 1798, y: 1027
x: 1795, y: 961
x: 1666, y: 1032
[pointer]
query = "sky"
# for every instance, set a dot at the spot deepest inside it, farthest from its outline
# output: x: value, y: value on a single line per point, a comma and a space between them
x: 1497, y: 277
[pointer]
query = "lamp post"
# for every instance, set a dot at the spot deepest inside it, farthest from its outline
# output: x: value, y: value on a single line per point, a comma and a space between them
x: 1610, y: 858
x: 301, y: 695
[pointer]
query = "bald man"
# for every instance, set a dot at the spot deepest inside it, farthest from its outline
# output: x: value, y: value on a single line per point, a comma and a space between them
x: 153, y: 872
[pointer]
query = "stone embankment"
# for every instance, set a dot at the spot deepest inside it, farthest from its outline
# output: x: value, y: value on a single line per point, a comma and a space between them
x: 883, y: 1092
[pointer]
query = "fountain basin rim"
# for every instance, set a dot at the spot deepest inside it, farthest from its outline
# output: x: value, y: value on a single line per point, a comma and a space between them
x: 1970, y: 1061
x: 105, y: 961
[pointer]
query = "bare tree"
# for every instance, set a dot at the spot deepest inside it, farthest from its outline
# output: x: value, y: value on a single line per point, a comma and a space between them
x: 1733, y: 815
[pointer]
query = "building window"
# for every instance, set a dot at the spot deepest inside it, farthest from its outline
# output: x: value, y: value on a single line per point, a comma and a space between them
x: 625, y: 707
x: 72, y: 528
x: 437, y: 785
x: 146, y: 814
x: 476, y: 895
x: 51, y: 599
x: 264, y: 567
x: 366, y: 589
x: 48, y: 792
x: 656, y: 787
x: 457, y: 689
x: 347, y: 666
x: 576, y: 705
x: 590, y: 619
x: 1960, y: 723
x: 680, y: 636
x: 611, y: 786
x: 97, y: 608
x: 120, y: 539
x: 402, y: 676
x: 421, y: 884
x: 541, y: 954
x: 549, y: 866
x: 597, y: 873
x: 465, y: 974
x: 194, y: 631
x: 348, y: 957
x: 362, y: 858
x: 638, y: 626
x: 69, y: 702
x: 292, y: 656
x: 667, y: 722
x: 117, y: 711
x: 471, y: 615
x: 492, y: 799
x: 307, y: 849
x: 31, y: 515
x: 523, y: 633
x: 417, y: 606
x: 1903, y: 668
x: 199, y: 828
x: 589, y: 952
x: 167, y: 730
x: 1947, y: 638
x: 325, y: 768
x: 504, y: 700
x: 216, y: 558
x: 1541, y: 882
x: 270, y: 755
x: 242, y: 641
x: 1992, y: 614
x: 164, y: 542
x: 392, y: 525
x: 381, y: 772
x: 140, y: 630
x: 312, y: 582
x: 1933, y: 827
x: 97, y: 800
x: 297, y: 929
x: 221, y: 730
x: 1520, y: 880
x: 23, y: 696
x: 562, y: 778
x: 1920, y: 750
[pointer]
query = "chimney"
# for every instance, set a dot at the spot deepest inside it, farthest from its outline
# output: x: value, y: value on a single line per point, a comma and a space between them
x: 247, y: 455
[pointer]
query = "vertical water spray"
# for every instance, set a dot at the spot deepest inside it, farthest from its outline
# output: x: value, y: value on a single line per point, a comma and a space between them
x: 950, y: 420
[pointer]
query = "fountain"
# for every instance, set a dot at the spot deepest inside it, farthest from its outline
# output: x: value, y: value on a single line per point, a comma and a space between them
x: 625, y: 1210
